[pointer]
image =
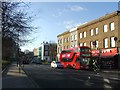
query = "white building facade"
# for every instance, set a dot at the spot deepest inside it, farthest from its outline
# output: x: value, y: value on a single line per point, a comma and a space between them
x: 73, y: 37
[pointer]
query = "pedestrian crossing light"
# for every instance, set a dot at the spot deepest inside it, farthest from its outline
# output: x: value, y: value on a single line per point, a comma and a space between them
x: 115, y: 38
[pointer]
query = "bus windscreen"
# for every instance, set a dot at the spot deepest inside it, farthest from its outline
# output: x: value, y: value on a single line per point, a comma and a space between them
x: 66, y: 59
x: 66, y: 51
x: 84, y: 49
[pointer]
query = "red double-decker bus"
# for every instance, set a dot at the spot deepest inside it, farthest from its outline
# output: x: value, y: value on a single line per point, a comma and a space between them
x: 77, y: 57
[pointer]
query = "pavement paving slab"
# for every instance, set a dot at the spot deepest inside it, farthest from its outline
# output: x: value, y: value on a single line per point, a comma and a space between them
x: 16, y: 79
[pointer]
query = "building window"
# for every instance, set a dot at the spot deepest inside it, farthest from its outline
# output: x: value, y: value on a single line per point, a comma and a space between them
x: 65, y: 40
x: 46, y: 53
x: 106, y: 43
x: 67, y: 46
x: 91, y: 44
x: 46, y: 47
x: 68, y: 39
x: 75, y: 37
x: 84, y: 44
x: 60, y: 49
x: 91, y: 32
x: 57, y: 50
x: 80, y: 35
x: 105, y: 28
x: 81, y: 44
x: 72, y: 38
x: 60, y: 41
x: 84, y: 34
x: 96, y: 31
x: 112, y: 26
x: 97, y: 44
x: 112, y: 42
x: 72, y: 46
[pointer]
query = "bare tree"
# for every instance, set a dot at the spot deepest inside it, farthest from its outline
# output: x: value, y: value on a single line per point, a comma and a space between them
x: 15, y: 26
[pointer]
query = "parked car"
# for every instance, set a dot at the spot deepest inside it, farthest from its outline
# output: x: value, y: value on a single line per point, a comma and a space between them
x: 57, y: 64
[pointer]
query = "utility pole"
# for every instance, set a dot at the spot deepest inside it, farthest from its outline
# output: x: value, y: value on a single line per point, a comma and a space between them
x: 117, y: 41
x: 118, y: 44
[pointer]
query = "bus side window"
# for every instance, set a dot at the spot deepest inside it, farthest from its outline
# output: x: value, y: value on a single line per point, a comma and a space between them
x: 78, y: 59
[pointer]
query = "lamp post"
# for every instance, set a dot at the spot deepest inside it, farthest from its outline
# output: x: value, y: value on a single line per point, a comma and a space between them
x: 18, y: 52
x: 118, y: 48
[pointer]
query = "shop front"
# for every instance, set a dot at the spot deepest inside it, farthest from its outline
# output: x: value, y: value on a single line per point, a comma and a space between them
x: 95, y: 55
x: 107, y: 58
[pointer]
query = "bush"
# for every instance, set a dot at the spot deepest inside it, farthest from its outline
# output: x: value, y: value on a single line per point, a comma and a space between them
x: 5, y: 63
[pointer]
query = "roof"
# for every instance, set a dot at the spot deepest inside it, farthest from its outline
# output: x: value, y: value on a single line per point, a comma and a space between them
x: 99, y: 19
x: 67, y: 32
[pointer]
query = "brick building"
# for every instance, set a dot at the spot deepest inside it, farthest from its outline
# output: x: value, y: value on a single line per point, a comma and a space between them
x: 63, y: 42
x: 101, y: 35
x: 102, y: 30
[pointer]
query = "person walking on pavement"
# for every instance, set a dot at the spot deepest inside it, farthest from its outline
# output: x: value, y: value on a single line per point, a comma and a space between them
x: 95, y: 66
x: 19, y: 64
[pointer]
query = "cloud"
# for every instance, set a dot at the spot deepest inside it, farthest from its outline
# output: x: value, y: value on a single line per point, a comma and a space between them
x: 67, y: 9
x: 57, y: 14
x: 77, y: 8
x: 72, y: 24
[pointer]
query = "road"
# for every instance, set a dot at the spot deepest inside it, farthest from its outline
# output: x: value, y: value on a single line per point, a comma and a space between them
x: 46, y: 77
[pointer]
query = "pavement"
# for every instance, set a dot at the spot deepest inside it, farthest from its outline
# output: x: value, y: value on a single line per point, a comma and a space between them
x: 15, y: 78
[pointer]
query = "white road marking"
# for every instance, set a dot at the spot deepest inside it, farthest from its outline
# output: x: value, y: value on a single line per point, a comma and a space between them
x: 106, y: 80
x: 107, y: 86
x: 115, y: 78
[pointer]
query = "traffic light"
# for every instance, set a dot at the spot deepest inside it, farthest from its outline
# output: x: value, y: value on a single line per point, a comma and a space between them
x: 115, y: 38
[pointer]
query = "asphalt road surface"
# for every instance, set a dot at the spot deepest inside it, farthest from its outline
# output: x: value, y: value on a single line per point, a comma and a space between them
x: 46, y: 77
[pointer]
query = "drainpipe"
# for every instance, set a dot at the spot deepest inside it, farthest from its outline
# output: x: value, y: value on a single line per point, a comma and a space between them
x: 118, y: 58
x: 118, y: 44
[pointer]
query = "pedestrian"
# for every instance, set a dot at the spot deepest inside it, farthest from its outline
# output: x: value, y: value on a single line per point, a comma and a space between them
x: 100, y: 64
x: 17, y: 63
x: 95, y: 66
x: 91, y: 64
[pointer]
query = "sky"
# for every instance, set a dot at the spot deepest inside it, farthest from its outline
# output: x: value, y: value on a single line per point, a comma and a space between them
x: 54, y: 18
